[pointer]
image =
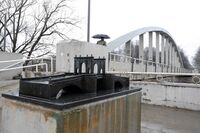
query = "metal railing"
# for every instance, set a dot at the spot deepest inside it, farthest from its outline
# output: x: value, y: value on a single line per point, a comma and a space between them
x: 155, y: 73
x: 128, y: 59
x: 35, y: 65
x: 7, y: 68
x: 159, y: 75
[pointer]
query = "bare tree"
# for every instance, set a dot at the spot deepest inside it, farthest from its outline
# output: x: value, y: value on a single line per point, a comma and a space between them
x: 196, y: 60
x: 135, y: 49
x: 146, y: 54
x: 185, y: 60
x: 32, y: 24
x: 3, y: 9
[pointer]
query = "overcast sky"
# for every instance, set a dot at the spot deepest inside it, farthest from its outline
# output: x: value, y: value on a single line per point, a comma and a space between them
x: 181, y: 18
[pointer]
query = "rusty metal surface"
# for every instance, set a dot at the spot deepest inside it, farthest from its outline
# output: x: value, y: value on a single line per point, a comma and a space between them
x: 71, y: 101
x: 0, y: 117
x: 121, y: 114
x: 115, y: 115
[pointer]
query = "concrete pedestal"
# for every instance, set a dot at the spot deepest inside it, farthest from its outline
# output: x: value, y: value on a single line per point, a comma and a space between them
x: 120, y: 114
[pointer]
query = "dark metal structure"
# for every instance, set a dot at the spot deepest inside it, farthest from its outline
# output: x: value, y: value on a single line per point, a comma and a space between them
x: 102, y: 37
x: 77, y: 83
x: 89, y: 62
x: 71, y: 89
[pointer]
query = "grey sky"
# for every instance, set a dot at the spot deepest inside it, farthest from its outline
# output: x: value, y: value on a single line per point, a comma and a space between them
x: 118, y: 17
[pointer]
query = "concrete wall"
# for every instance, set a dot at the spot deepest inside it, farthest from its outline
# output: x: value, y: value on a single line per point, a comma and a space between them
x: 9, y: 86
x: 179, y: 95
x: 114, y: 115
x: 66, y: 52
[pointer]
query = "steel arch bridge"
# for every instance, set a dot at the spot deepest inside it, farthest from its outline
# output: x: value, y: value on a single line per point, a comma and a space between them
x: 161, y: 53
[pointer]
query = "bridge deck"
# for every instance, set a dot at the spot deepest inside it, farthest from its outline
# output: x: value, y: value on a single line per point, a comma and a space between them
x: 158, y: 119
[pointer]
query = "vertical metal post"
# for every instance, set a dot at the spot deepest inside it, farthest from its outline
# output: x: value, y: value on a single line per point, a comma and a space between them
x: 131, y: 49
x: 5, y: 24
x: 141, y: 47
x: 109, y: 59
x: 88, y: 23
x: 141, y: 52
x: 167, y: 54
x: 46, y: 67
x: 162, y: 52
x: 51, y: 64
x: 157, y: 51
x: 150, y: 58
x: 36, y: 68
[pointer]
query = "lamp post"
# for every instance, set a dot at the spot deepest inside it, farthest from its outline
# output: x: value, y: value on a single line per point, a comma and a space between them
x: 88, y: 23
x: 4, y: 42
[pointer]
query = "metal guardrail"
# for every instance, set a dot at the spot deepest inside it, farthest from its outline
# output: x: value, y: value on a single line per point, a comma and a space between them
x: 28, y: 66
x: 12, y: 65
x: 124, y: 58
x: 136, y: 59
x: 36, y: 65
x: 155, y: 73
x: 160, y: 75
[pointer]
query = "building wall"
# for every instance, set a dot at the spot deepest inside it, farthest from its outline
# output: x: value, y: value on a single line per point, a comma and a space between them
x: 121, y: 114
x: 66, y: 51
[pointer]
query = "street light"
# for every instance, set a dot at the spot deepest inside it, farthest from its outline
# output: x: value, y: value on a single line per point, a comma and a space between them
x: 88, y: 23
x: 4, y: 42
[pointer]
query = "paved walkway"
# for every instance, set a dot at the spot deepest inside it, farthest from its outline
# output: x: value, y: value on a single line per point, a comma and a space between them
x: 158, y: 119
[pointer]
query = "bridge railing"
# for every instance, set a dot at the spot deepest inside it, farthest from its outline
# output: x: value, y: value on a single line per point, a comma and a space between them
x: 21, y: 61
x: 119, y: 62
x: 32, y: 67
x: 161, y: 76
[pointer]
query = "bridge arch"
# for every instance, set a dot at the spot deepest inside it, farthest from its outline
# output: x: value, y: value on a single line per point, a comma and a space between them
x: 168, y: 57
x: 87, y: 65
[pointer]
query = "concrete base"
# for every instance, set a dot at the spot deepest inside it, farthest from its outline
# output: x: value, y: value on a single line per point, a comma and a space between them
x: 8, y: 86
x: 179, y: 95
x: 120, y: 114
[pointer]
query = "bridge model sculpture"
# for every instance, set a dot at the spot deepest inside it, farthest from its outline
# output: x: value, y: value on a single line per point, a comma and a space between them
x: 72, y: 89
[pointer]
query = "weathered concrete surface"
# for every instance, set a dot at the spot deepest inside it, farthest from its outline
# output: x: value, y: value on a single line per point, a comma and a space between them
x: 179, y: 95
x: 115, y: 115
x: 67, y: 50
x: 8, y: 86
x: 160, y: 119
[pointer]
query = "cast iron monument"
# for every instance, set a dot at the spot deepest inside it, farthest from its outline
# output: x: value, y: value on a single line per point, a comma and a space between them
x: 72, y: 89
